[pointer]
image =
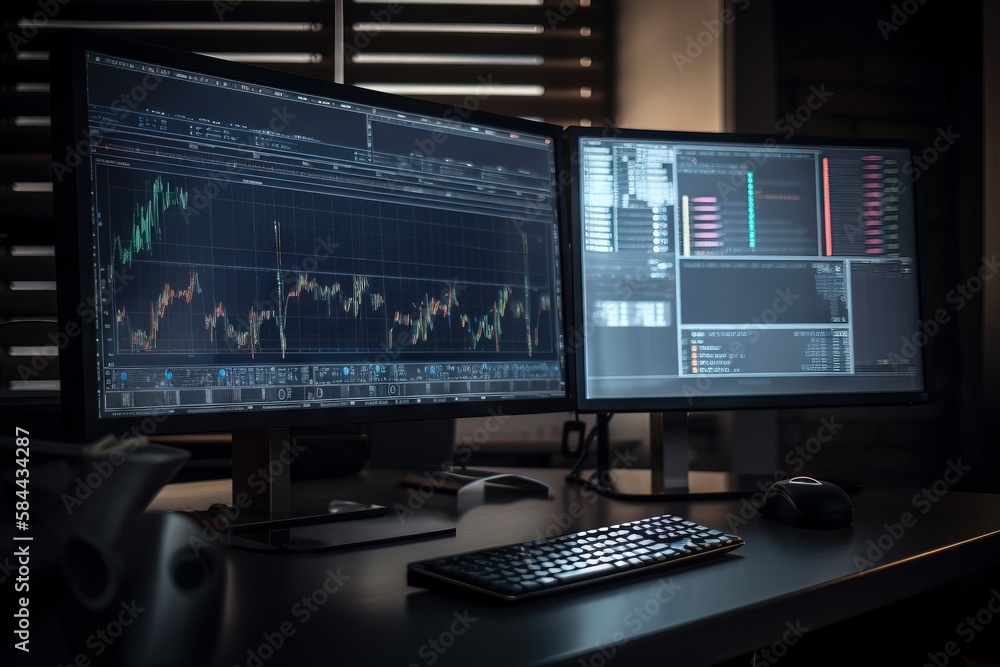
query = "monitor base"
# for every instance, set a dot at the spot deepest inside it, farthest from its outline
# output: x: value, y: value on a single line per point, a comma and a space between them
x: 268, y: 513
x: 237, y: 521
x: 340, y: 535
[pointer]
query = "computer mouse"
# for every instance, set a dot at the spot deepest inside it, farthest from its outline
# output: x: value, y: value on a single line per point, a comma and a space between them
x: 808, y: 503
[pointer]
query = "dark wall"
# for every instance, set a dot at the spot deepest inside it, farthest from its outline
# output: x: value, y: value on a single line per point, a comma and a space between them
x: 909, y: 70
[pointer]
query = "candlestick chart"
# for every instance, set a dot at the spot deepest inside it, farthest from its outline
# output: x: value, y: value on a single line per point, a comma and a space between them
x: 273, y: 273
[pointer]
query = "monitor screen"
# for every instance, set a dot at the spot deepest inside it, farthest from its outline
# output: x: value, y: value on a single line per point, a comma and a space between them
x: 727, y: 271
x: 242, y: 248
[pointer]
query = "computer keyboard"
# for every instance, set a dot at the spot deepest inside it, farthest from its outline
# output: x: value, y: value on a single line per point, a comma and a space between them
x: 548, y: 565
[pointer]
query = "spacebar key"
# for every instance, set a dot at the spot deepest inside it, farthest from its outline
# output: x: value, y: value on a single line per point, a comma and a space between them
x: 591, y: 572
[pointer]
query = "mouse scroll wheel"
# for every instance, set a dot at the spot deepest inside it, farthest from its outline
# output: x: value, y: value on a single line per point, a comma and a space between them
x: 805, y: 480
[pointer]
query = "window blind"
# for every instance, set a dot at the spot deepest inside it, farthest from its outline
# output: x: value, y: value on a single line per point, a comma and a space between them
x: 299, y: 36
x: 544, y: 59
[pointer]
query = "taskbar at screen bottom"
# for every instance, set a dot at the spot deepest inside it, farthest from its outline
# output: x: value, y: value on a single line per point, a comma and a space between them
x: 553, y: 391
x: 203, y: 389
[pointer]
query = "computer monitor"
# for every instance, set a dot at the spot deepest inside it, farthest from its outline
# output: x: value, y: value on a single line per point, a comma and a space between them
x: 724, y: 271
x: 245, y: 250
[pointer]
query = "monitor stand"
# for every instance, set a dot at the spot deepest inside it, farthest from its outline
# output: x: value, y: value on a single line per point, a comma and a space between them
x: 265, y: 514
x: 669, y: 477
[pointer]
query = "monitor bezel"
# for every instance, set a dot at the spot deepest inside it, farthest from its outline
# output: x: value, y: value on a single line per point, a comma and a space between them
x: 697, y: 403
x: 75, y: 278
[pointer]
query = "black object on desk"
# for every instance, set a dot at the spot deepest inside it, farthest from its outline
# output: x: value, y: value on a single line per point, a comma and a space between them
x: 703, y: 614
x: 115, y: 564
x: 808, y: 503
x: 549, y: 565
x: 347, y: 524
x: 337, y: 536
x: 458, y: 479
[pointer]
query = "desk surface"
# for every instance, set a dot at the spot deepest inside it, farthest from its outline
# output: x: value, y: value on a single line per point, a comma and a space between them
x: 697, y: 615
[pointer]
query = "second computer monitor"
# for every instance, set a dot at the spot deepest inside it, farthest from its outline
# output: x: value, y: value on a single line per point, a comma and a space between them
x: 725, y: 271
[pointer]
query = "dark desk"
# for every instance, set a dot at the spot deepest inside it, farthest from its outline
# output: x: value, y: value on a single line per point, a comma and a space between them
x: 783, y: 580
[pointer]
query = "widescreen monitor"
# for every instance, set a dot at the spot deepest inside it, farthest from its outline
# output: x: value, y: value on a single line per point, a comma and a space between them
x: 721, y: 271
x: 242, y: 250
